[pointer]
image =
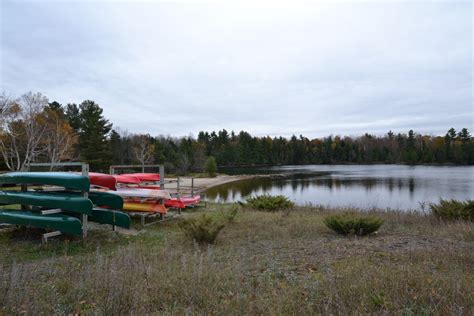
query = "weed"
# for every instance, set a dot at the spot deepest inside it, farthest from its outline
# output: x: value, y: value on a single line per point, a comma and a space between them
x: 203, y: 228
x: 453, y: 210
x: 270, y: 202
x: 353, y: 223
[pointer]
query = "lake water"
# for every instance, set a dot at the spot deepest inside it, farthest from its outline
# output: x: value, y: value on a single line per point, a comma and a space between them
x: 364, y: 186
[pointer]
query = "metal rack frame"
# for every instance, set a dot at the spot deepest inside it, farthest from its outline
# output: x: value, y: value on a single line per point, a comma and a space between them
x: 162, y: 182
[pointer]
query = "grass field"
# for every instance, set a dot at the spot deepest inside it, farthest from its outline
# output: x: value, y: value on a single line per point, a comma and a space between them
x: 262, y: 263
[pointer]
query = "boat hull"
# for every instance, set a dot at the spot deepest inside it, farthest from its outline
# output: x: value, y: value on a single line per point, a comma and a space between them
x: 65, y: 201
x: 141, y: 193
x: 63, y: 223
x: 67, y: 180
x: 145, y: 207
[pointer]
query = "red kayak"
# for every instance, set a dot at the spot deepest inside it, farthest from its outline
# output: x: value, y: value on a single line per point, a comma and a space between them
x: 145, y: 177
x: 126, y: 179
x: 183, y: 202
x: 175, y: 203
x: 102, y: 180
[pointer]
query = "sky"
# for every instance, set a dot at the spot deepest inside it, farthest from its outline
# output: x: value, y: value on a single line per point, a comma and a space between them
x: 273, y: 68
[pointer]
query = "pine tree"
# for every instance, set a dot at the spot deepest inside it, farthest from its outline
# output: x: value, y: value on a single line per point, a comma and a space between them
x: 94, y: 129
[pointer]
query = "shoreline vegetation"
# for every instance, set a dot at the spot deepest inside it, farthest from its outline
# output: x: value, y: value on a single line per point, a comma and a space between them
x: 30, y: 133
x: 278, y: 262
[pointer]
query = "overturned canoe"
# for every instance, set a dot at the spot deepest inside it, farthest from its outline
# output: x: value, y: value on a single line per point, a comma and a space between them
x: 183, y: 202
x: 63, y: 223
x: 99, y: 198
x: 141, y: 193
x: 124, y: 179
x: 145, y: 207
x: 145, y: 177
x: 102, y: 180
x: 65, y: 201
x: 174, y: 203
x: 111, y: 217
x: 67, y: 180
x: 107, y: 200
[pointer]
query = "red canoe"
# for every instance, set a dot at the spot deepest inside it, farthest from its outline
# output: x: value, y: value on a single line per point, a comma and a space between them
x: 175, y: 203
x: 126, y: 179
x: 102, y: 180
x: 145, y: 177
x: 183, y: 202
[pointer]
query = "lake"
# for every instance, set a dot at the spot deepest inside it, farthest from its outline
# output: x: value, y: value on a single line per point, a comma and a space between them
x: 364, y: 186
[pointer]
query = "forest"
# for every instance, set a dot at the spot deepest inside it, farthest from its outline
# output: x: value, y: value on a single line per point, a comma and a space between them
x: 34, y: 129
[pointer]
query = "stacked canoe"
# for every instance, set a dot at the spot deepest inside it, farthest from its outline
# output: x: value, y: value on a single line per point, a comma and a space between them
x: 150, y: 181
x: 60, y: 204
x: 141, y: 192
x: 135, y: 199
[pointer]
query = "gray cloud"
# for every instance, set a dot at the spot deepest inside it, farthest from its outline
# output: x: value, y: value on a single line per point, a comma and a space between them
x: 280, y: 69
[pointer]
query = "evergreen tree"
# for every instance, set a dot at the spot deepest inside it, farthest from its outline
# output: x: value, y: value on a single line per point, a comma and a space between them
x: 73, y: 116
x: 93, y: 132
x: 211, y: 166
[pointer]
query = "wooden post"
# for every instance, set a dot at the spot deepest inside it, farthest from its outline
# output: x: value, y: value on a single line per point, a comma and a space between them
x: 84, y: 218
x: 162, y: 177
x: 177, y: 188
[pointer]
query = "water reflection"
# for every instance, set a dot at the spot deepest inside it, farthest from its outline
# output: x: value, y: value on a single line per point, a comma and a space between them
x: 400, y: 187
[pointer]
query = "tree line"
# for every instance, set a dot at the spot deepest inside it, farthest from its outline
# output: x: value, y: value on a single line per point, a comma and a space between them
x: 32, y: 129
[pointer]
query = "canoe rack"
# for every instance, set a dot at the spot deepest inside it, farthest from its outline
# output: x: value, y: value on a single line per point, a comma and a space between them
x: 149, y: 219
x: 162, y: 182
x: 84, y: 218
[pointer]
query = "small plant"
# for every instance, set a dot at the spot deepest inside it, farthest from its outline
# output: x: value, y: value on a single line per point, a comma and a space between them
x: 270, y: 202
x: 453, y: 210
x: 353, y: 223
x: 229, y: 216
x: 204, y: 228
x: 211, y: 166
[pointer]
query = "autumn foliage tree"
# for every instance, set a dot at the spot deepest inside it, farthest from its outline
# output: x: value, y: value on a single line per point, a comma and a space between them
x: 22, y: 129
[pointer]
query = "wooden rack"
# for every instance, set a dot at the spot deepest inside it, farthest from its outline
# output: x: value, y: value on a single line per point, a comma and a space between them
x: 84, y: 172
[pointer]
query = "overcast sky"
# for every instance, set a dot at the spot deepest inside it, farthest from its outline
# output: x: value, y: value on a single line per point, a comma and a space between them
x: 314, y: 68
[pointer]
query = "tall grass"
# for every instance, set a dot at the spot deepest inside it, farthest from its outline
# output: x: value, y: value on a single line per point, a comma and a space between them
x: 264, y: 263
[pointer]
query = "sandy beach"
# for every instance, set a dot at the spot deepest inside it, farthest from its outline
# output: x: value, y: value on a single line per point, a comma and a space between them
x: 202, y: 184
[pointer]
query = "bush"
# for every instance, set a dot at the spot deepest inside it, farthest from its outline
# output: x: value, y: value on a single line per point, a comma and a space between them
x: 203, y: 229
x: 453, y: 210
x: 270, y: 203
x: 353, y: 224
x: 211, y: 166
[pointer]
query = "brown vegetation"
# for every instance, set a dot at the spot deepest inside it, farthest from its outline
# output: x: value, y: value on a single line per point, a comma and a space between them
x: 261, y: 263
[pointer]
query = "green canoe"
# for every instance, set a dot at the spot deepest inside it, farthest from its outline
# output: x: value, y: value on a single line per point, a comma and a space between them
x: 63, y: 179
x: 70, y: 202
x: 100, y: 199
x: 66, y: 224
x: 108, y: 200
x: 106, y: 216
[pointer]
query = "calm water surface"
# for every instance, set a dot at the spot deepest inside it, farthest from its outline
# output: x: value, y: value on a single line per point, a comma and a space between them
x: 383, y: 186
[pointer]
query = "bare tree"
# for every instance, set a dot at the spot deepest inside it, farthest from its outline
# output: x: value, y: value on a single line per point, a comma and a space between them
x: 21, y: 129
x: 143, y: 148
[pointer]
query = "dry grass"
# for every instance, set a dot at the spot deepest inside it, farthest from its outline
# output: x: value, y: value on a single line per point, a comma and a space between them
x: 262, y: 263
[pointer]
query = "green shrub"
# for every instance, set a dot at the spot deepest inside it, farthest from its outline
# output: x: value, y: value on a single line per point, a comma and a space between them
x: 203, y: 228
x: 453, y: 210
x: 353, y: 223
x: 270, y: 202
